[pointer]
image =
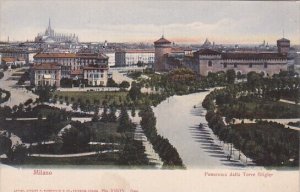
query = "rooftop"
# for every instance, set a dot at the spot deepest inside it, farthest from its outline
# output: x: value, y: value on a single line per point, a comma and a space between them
x: 162, y: 40
x: 137, y: 51
x: 283, y: 39
x: 55, y: 55
x: 253, y: 56
x: 8, y: 59
x: 48, y: 66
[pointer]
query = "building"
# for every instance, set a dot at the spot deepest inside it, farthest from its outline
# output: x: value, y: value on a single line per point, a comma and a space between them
x: 46, y: 74
x: 162, y: 48
x: 133, y: 57
x: 49, y: 36
x: 242, y: 63
x: 208, y: 60
x: 111, y: 58
x: 67, y: 61
x: 283, y: 45
x: 11, y: 61
x: 95, y: 75
x: 18, y: 53
x: 72, y: 61
x: 87, y: 66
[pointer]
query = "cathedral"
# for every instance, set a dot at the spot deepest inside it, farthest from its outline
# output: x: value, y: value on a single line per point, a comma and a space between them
x: 49, y: 36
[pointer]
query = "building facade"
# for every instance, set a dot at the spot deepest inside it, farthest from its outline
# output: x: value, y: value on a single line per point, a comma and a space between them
x: 88, y: 66
x: 133, y: 57
x: 72, y: 61
x: 95, y: 76
x: 242, y: 63
x: 46, y: 74
x: 208, y: 60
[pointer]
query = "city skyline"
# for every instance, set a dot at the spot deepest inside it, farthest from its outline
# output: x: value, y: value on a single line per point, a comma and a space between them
x: 131, y: 21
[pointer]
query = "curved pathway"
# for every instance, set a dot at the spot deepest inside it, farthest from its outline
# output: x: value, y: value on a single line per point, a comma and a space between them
x: 73, y: 155
x: 178, y: 120
x: 18, y: 94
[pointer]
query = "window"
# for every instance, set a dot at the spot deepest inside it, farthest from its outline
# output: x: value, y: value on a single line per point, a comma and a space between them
x: 250, y: 65
x: 265, y: 65
x: 224, y: 65
x: 235, y: 65
x: 209, y: 63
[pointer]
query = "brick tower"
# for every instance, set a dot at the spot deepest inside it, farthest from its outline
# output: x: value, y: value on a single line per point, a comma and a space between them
x: 162, y: 48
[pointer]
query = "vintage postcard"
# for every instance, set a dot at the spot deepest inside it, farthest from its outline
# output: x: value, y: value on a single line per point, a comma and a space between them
x: 135, y: 96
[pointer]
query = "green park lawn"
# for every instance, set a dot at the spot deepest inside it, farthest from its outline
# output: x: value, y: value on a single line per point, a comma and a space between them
x: 261, y: 109
x: 91, y: 97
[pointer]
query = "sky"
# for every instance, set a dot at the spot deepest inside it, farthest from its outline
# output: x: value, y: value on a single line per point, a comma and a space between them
x: 145, y: 21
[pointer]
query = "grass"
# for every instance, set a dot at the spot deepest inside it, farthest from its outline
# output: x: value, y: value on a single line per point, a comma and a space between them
x: 91, y: 97
x: 104, y: 132
x: 261, y: 109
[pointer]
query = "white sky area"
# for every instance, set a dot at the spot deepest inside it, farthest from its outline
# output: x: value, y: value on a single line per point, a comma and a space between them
x: 145, y: 21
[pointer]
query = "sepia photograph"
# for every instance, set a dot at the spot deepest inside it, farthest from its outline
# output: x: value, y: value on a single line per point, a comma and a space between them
x: 134, y: 96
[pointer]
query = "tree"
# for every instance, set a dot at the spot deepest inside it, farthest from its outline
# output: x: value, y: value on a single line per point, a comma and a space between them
x: 112, y: 114
x: 1, y: 75
x: 75, y: 138
x: 135, y: 91
x: 124, y: 121
x: 111, y: 83
x: 133, y: 111
x: 230, y: 76
x: 5, y: 145
x: 19, y: 154
x: 96, y: 114
x: 44, y: 93
x: 140, y: 64
x: 124, y: 85
x: 104, y: 115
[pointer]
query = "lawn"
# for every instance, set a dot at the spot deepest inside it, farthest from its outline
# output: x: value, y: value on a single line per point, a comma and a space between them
x: 260, y: 109
x: 104, y: 132
x: 91, y: 97
x: 268, y: 144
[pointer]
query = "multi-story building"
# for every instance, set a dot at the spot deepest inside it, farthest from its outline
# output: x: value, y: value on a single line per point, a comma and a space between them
x: 72, y: 61
x: 66, y: 60
x: 111, y: 58
x: 95, y: 75
x: 84, y: 65
x: 18, y: 53
x: 133, y: 57
x: 243, y: 63
x: 46, y: 74
x: 208, y: 60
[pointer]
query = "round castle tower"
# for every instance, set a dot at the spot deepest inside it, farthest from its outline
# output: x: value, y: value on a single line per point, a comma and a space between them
x: 162, y: 47
x: 283, y: 46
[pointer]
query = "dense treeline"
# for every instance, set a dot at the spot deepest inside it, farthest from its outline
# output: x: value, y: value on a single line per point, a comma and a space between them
x: 267, y: 143
x: 133, y: 153
x: 162, y: 146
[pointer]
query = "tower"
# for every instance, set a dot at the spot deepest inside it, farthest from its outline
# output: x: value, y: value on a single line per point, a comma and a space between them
x: 283, y: 45
x: 49, y: 31
x: 162, y: 48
